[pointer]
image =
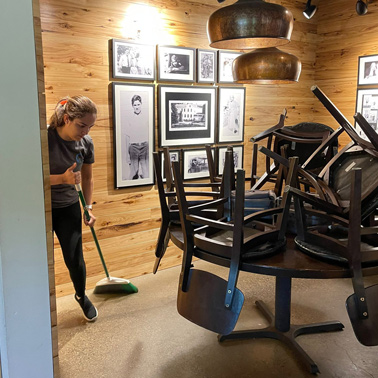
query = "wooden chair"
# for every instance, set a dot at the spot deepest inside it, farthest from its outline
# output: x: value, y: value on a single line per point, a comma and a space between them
x: 206, y: 299
x: 344, y: 241
x: 332, y: 184
x: 170, y: 228
x: 299, y: 140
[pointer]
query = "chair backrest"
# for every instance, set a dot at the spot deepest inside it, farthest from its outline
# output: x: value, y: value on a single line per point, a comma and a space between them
x: 341, y: 119
x: 187, y: 226
x: 301, y: 140
x: 163, y: 199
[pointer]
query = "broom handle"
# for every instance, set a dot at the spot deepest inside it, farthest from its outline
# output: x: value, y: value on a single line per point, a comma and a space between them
x: 82, y: 200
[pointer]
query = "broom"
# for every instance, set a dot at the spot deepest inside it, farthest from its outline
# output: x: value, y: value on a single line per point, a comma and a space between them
x: 108, y: 285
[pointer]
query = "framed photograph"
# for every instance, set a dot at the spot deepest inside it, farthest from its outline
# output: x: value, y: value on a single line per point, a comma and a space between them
x: 367, y: 70
x: 238, y: 158
x: 225, y: 60
x: 134, y: 125
x: 195, y: 164
x: 206, y: 66
x: 133, y: 60
x: 231, y: 114
x: 176, y: 63
x: 367, y: 105
x: 187, y: 115
x: 174, y: 155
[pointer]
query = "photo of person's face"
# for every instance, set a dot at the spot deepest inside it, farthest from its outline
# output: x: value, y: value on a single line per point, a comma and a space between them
x: 137, y: 106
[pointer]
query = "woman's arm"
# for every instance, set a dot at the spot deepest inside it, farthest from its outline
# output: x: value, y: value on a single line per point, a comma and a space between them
x: 87, y: 187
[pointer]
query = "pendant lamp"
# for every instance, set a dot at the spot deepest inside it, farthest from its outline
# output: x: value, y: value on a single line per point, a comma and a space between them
x: 249, y: 24
x: 266, y: 66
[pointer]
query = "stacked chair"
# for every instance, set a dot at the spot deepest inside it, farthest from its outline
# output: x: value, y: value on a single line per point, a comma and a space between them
x: 170, y: 227
x: 204, y: 298
x: 300, y: 140
x: 350, y: 187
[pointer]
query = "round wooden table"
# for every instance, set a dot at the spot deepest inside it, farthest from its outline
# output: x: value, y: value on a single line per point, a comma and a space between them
x: 286, y: 265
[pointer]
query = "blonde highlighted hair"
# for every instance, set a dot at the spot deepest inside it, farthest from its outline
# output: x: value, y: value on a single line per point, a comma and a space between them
x: 74, y: 107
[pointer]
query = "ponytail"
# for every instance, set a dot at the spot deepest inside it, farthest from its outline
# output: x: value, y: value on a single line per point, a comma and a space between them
x: 74, y: 107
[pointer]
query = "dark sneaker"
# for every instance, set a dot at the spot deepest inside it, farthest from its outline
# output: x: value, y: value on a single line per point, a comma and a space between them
x: 89, y: 311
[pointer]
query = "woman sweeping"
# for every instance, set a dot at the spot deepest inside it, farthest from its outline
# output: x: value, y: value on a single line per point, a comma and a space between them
x: 69, y: 145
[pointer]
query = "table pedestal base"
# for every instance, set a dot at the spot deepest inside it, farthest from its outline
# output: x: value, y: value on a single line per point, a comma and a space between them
x: 288, y: 336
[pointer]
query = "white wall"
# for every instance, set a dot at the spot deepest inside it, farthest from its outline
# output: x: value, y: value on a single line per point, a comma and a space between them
x: 25, y: 325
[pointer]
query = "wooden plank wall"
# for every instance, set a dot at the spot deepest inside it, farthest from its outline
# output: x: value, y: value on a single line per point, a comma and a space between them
x: 46, y: 183
x: 343, y: 36
x: 76, y: 37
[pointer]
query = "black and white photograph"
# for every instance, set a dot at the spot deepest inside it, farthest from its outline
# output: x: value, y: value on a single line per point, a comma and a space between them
x: 195, y: 164
x: 187, y: 115
x: 174, y: 156
x: 206, y: 66
x: 225, y: 60
x: 367, y: 105
x: 238, y: 158
x: 134, y: 124
x: 368, y: 70
x: 231, y: 114
x: 133, y: 60
x: 176, y: 63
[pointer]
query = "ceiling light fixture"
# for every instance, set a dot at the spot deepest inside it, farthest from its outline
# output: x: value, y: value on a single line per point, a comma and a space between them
x: 266, y: 66
x: 361, y: 8
x: 309, y: 10
x: 249, y: 24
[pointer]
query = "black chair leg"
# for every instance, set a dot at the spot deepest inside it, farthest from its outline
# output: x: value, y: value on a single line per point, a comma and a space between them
x: 161, y: 244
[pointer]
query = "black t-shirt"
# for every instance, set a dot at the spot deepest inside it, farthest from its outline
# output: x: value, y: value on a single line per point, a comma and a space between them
x: 62, y: 154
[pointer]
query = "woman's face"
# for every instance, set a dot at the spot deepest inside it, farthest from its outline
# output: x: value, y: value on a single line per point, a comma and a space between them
x: 77, y: 128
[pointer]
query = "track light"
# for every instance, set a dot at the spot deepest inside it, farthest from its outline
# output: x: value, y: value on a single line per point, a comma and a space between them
x: 310, y: 9
x: 361, y: 8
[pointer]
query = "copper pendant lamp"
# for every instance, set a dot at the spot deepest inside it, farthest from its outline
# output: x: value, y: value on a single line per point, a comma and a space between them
x: 249, y: 24
x: 266, y: 66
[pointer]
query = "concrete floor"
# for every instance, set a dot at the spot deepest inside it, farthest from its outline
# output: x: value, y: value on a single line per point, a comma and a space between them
x: 142, y: 335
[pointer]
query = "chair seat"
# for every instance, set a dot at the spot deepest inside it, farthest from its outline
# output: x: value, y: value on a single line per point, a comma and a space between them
x: 177, y: 236
x: 220, y: 243
x: 368, y: 250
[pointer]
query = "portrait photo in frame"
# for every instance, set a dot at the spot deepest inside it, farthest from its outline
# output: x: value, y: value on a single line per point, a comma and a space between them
x: 134, y: 125
x: 174, y: 155
x: 186, y: 115
x: 195, y: 164
x: 176, y: 63
x: 225, y: 60
x: 367, y: 105
x: 133, y: 60
x: 231, y: 114
x: 238, y: 152
x: 206, y: 66
x: 368, y: 70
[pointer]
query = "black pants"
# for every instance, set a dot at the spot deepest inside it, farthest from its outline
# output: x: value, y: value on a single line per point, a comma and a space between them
x: 67, y: 226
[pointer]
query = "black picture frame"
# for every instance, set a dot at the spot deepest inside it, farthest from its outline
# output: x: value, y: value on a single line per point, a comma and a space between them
x: 134, y: 137
x: 231, y: 113
x: 175, y: 156
x: 225, y: 60
x: 367, y: 70
x: 187, y: 115
x: 195, y: 164
x: 133, y: 61
x: 176, y: 63
x: 238, y: 152
x: 207, y: 66
x: 367, y: 105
